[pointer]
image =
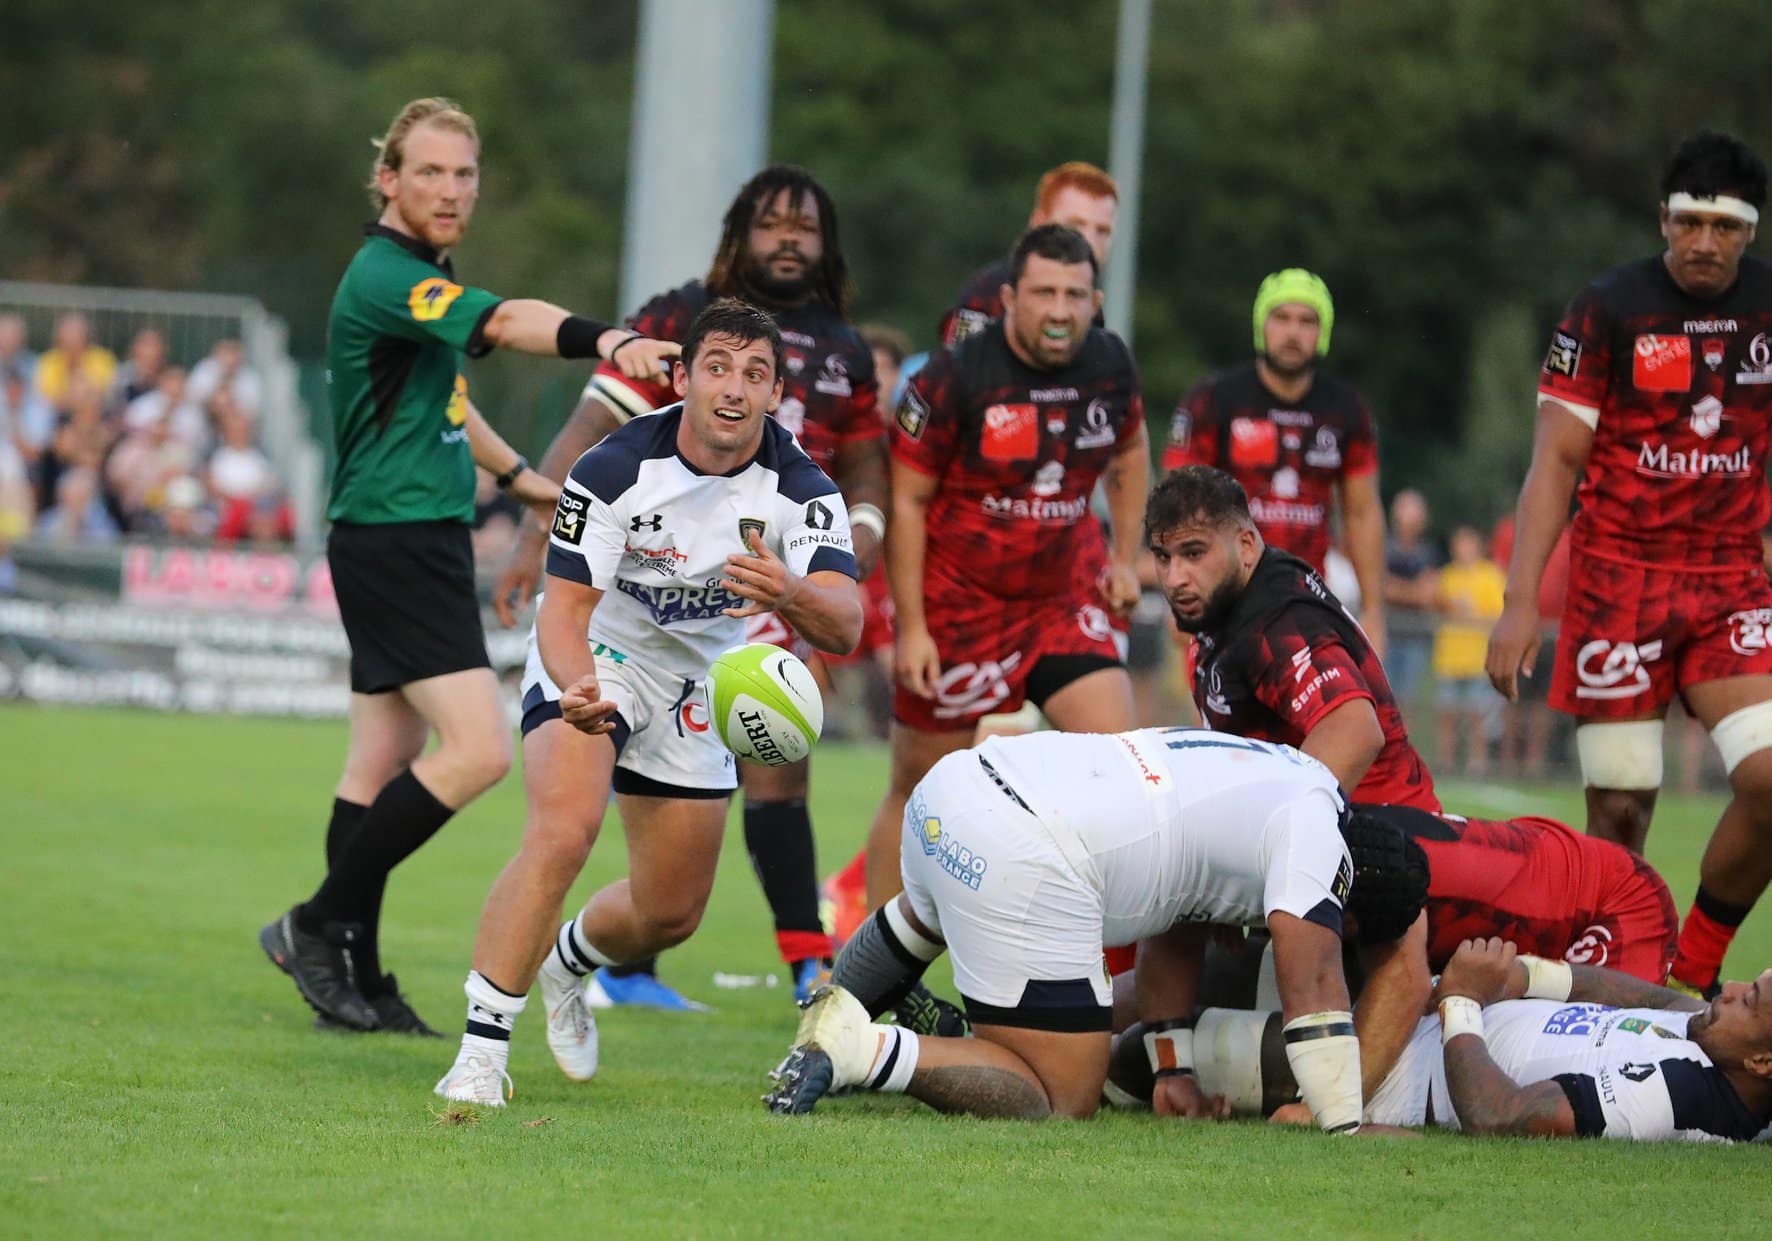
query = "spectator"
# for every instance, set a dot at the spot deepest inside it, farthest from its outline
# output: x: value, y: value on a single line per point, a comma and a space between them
x: 141, y: 373
x: 238, y: 471
x: 26, y: 424
x: 185, y: 421
x: 79, y: 514
x: 15, y: 352
x: 182, y: 516
x: 1469, y: 599
x: 1410, y: 596
x: 146, y: 459
x: 83, y: 436
x: 891, y: 347
x: 74, y: 356
x: 225, y: 370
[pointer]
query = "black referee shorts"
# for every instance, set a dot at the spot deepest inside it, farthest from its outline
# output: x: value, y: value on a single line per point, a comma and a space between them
x: 406, y: 596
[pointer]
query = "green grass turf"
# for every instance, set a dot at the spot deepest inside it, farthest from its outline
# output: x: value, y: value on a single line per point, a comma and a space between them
x: 159, y: 1077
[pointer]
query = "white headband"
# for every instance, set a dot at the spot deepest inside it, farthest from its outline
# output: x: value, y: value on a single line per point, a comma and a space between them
x: 1722, y: 204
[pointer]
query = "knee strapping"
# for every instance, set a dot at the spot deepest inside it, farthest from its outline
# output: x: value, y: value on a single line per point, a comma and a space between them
x: 1625, y: 755
x: 1743, y: 732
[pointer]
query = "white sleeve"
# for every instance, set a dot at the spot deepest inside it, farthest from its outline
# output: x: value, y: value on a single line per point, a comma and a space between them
x: 587, y: 542
x: 815, y: 535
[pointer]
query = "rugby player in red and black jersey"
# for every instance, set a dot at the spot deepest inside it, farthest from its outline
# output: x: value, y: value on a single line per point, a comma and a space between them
x: 997, y: 446
x: 1655, y: 396
x: 1278, y: 656
x: 1297, y: 438
x: 780, y: 250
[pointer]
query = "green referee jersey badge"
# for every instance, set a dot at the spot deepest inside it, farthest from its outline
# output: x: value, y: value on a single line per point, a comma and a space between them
x: 569, y: 518
x: 431, y: 299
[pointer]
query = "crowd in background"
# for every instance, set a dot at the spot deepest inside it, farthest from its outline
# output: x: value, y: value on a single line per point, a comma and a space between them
x: 93, y: 447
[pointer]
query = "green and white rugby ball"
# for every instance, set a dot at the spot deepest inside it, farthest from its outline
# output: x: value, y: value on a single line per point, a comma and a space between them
x: 767, y: 708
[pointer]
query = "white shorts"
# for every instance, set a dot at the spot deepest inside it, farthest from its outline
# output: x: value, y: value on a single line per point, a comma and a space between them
x: 666, y: 745
x: 1022, y: 926
x: 1402, y: 1097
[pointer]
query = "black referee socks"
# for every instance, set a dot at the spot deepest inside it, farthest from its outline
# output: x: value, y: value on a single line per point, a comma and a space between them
x: 403, y: 816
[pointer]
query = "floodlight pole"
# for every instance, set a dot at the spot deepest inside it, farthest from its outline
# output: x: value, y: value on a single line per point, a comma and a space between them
x: 702, y: 75
x: 1126, y: 160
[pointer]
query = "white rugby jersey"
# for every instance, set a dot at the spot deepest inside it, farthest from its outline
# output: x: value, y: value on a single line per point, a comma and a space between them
x: 1181, y: 824
x: 1628, y: 1072
x: 652, y: 532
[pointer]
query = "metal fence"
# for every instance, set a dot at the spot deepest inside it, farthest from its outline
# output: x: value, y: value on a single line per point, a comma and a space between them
x: 191, y: 324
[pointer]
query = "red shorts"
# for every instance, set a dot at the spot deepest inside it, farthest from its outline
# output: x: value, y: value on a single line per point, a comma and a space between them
x: 1633, y: 636
x: 1633, y: 926
x: 989, y: 647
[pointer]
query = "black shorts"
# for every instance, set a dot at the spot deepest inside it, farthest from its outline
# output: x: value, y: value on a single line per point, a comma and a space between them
x: 406, y: 596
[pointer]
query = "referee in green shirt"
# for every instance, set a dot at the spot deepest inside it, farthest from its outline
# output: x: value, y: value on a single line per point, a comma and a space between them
x: 402, y: 566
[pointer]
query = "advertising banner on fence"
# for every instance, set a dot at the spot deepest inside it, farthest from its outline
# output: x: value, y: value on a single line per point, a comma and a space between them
x: 214, y: 630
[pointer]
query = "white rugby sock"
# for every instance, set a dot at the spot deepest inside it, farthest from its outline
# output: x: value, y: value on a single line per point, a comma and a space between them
x: 492, y: 1012
x: 895, y: 1061
x: 574, y: 953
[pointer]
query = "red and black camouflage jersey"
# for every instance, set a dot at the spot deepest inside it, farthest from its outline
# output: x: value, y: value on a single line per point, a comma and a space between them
x: 828, y: 398
x: 1017, y: 452
x: 1289, y: 457
x: 1288, y: 654
x: 1534, y: 882
x: 1677, y: 390
x: 979, y: 302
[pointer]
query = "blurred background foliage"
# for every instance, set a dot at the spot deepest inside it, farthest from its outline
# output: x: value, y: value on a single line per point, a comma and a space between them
x: 1455, y: 171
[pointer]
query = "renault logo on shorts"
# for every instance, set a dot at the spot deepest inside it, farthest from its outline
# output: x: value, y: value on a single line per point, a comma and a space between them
x: 1614, y: 669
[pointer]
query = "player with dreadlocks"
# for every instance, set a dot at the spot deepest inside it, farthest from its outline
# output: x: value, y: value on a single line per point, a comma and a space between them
x: 780, y: 249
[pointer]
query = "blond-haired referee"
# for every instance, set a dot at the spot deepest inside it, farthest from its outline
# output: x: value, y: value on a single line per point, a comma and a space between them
x: 408, y: 440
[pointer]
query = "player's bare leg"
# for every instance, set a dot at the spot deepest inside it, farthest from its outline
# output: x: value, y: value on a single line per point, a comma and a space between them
x: 673, y: 848
x: 1621, y: 815
x: 1737, y: 862
x: 914, y: 752
x: 1621, y: 768
x: 566, y: 776
x: 1098, y: 702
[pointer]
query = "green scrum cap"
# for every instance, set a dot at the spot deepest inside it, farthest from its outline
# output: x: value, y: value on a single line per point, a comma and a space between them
x: 1294, y: 284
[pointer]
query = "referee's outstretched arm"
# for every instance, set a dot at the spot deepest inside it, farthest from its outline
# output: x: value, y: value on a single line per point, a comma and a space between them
x: 529, y: 325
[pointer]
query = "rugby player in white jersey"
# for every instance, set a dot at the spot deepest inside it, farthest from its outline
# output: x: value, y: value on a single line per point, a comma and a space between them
x: 1024, y: 856
x: 1537, y: 1048
x: 668, y: 535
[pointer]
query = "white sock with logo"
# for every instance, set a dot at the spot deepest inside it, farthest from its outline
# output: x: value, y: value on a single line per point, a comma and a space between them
x: 573, y: 953
x: 492, y: 1012
x: 895, y: 1061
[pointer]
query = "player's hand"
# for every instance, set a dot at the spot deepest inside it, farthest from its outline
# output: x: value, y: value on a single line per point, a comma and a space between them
x: 1119, y: 588
x: 916, y: 661
x: 1480, y: 969
x: 536, y: 490
x: 646, y: 359
x: 583, y: 706
x: 1180, y: 1096
x: 760, y: 577
x: 521, y: 573
x: 1513, y: 648
x: 1298, y: 1113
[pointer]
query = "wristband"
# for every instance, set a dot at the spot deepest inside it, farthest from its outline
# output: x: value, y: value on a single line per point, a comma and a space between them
x: 1169, y: 1046
x: 626, y: 340
x: 1459, y: 1014
x: 578, y: 336
x: 868, y: 517
x: 1547, y: 979
x: 505, y: 480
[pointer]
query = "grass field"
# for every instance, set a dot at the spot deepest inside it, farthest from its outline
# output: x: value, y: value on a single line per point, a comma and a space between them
x: 162, y: 1078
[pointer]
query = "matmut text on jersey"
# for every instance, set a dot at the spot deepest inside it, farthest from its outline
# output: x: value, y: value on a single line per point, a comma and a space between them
x: 1016, y: 452
x: 652, y: 532
x: 1677, y: 391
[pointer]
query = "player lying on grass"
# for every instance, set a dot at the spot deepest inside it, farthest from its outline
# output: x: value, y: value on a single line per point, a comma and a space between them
x: 1534, y: 882
x: 1023, y: 855
x: 1540, y: 1048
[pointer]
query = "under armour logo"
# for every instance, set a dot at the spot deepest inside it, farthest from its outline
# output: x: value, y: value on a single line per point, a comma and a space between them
x: 654, y: 522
